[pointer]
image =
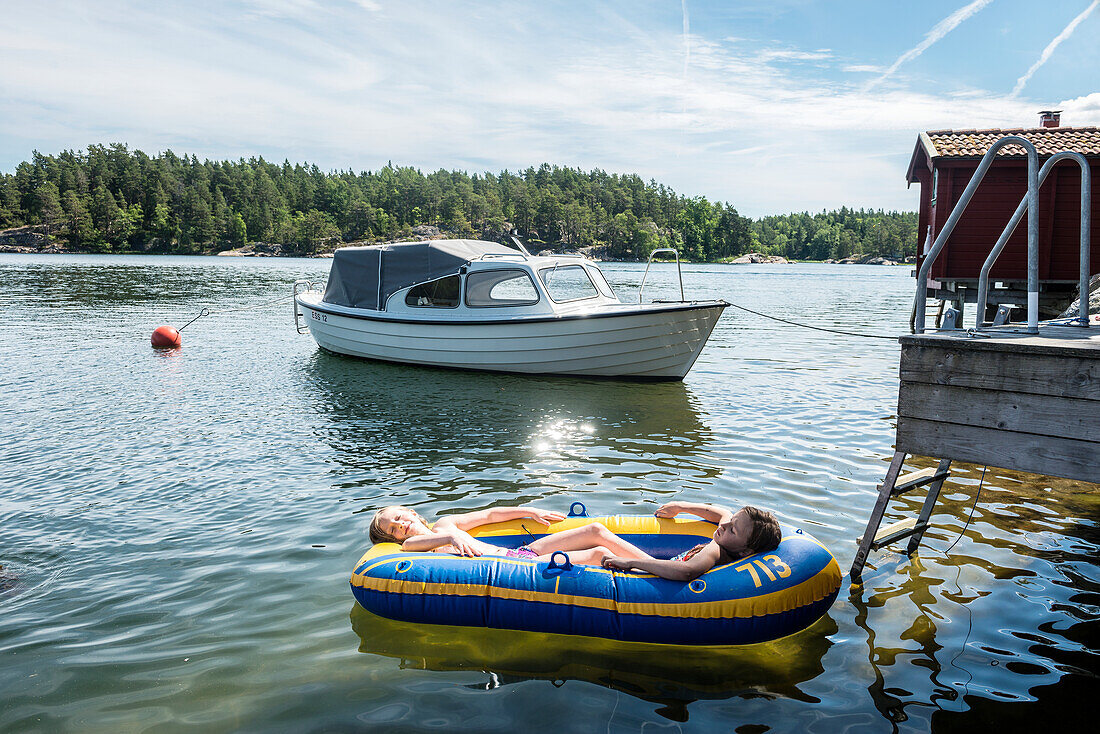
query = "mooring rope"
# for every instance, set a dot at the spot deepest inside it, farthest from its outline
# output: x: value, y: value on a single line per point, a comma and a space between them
x: 815, y: 328
x: 210, y: 311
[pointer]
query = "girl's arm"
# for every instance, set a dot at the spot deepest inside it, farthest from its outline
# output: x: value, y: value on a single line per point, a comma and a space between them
x: 713, y: 513
x: 692, y: 568
x: 471, y: 520
x: 438, y: 540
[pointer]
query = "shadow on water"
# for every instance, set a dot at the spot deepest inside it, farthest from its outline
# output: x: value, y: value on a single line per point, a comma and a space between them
x: 672, y: 677
x: 404, y: 422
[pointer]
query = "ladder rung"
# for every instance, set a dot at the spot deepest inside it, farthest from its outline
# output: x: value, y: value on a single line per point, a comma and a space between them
x: 916, y: 479
x: 897, y: 531
x: 891, y: 528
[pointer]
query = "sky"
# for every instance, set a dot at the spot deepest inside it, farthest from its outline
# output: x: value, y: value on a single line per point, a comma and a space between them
x: 774, y: 106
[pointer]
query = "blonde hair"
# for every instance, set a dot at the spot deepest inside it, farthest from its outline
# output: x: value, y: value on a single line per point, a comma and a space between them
x: 377, y: 534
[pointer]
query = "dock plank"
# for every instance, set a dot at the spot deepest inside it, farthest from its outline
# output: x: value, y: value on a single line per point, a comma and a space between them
x: 1045, y: 455
x: 1043, y: 415
x: 1038, y: 374
x: 1059, y: 341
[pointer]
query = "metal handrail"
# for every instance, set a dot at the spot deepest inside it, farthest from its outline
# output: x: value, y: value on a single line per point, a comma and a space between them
x: 1086, y: 235
x: 920, y: 303
x: 294, y: 302
x: 678, y: 271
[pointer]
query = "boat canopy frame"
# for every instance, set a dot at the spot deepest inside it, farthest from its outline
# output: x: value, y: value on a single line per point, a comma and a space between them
x: 365, y: 277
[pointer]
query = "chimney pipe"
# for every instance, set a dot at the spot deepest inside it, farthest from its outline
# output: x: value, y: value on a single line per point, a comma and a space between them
x: 1050, y: 118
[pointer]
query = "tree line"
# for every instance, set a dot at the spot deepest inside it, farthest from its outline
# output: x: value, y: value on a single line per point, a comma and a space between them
x: 111, y: 199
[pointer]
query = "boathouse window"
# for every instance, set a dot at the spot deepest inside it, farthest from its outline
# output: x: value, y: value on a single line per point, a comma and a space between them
x: 442, y: 293
x: 500, y: 288
x: 569, y: 283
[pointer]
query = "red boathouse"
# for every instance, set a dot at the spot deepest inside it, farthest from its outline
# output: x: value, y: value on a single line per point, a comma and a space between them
x: 943, y: 162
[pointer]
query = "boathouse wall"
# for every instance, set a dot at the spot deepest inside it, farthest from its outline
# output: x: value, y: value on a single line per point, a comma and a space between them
x: 943, y: 169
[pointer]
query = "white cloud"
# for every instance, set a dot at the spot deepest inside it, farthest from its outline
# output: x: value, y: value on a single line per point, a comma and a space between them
x: 1081, y: 111
x: 1049, y: 50
x: 769, y: 126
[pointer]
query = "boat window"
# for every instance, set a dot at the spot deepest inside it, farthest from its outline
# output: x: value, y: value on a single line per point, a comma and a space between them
x: 601, y: 282
x: 568, y: 283
x: 500, y: 288
x: 442, y: 293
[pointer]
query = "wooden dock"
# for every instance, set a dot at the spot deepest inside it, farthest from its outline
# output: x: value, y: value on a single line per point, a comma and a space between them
x: 998, y: 397
x: 1004, y: 398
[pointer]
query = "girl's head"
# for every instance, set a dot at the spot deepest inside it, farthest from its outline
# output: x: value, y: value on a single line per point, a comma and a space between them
x: 750, y: 531
x: 396, y: 524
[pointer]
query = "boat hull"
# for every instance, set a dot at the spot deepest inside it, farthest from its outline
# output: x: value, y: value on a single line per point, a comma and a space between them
x: 658, y: 341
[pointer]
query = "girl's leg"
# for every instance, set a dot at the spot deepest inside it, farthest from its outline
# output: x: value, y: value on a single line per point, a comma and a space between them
x: 589, y: 536
x: 586, y: 557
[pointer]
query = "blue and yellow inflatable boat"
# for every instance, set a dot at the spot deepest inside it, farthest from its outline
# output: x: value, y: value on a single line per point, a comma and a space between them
x: 762, y: 597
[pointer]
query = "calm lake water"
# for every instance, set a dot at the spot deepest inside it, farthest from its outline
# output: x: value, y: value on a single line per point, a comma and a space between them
x: 177, y: 528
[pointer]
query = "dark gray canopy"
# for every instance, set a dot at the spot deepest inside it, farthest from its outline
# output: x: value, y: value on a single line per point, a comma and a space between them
x: 364, y: 277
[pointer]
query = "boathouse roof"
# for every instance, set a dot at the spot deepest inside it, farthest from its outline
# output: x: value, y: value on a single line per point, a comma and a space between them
x: 973, y: 144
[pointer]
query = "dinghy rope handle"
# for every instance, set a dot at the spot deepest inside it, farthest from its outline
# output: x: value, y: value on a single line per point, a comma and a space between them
x: 573, y: 510
x: 554, y: 565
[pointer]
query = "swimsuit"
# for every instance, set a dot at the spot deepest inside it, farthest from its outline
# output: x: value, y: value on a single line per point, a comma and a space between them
x: 523, y: 551
x: 689, y: 553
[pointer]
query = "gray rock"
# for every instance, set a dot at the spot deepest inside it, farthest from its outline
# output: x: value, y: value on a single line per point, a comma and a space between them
x: 758, y: 258
x: 1094, y: 300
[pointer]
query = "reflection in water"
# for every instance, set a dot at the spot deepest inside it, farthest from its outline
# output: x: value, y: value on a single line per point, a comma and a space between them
x: 670, y: 676
x: 934, y: 612
x: 169, y: 282
x: 396, y: 425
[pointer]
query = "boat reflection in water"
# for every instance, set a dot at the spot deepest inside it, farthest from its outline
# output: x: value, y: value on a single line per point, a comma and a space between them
x: 397, y: 423
x: 671, y: 676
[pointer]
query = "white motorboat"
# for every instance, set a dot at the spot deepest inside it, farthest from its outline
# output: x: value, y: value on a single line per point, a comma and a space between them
x: 483, y: 306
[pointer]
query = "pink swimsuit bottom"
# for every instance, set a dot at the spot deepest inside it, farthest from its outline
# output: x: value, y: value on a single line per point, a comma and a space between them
x: 522, y: 552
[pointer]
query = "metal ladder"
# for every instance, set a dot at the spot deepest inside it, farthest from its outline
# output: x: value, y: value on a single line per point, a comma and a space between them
x: 894, y: 485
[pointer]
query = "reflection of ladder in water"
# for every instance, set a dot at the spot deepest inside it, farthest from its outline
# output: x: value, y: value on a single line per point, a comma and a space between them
x: 894, y: 485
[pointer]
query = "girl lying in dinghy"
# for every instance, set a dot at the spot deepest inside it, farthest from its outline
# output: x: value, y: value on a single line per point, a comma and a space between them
x: 587, y: 545
x: 740, y: 534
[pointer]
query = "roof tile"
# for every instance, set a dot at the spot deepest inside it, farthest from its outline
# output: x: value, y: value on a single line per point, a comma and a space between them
x: 1048, y: 141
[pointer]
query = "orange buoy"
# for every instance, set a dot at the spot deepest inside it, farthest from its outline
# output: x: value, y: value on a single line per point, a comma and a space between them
x: 166, y: 337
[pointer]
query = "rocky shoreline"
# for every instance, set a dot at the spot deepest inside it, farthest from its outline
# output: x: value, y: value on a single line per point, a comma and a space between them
x: 34, y: 240
x: 871, y: 260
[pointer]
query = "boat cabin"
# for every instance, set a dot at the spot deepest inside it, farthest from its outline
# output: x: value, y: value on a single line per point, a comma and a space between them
x: 943, y: 162
x: 462, y: 279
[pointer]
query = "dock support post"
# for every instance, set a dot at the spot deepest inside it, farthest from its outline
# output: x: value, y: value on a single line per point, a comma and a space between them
x: 885, y: 492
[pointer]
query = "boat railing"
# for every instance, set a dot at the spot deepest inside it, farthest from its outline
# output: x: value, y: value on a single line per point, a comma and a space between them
x: 1032, y: 199
x: 1086, y: 215
x: 501, y: 256
x: 679, y: 272
x: 302, y: 286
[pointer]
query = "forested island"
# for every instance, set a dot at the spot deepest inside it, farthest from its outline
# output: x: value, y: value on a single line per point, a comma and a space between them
x: 111, y: 199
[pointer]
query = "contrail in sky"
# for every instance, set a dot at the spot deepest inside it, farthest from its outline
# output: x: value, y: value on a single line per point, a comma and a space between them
x: 687, y: 38
x: 1049, y: 50
x: 940, y: 30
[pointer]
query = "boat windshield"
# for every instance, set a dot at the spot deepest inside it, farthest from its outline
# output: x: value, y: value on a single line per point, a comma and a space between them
x: 601, y: 282
x: 568, y: 283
